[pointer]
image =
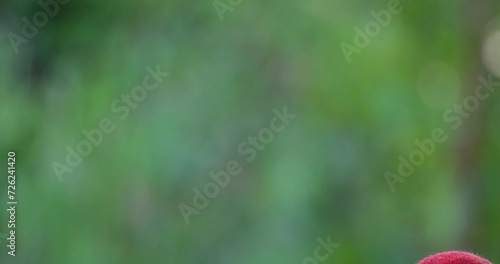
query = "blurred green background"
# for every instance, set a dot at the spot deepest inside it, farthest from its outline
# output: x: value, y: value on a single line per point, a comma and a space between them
x: 321, y: 176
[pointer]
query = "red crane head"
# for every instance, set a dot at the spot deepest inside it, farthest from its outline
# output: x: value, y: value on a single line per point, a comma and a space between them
x: 454, y: 257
